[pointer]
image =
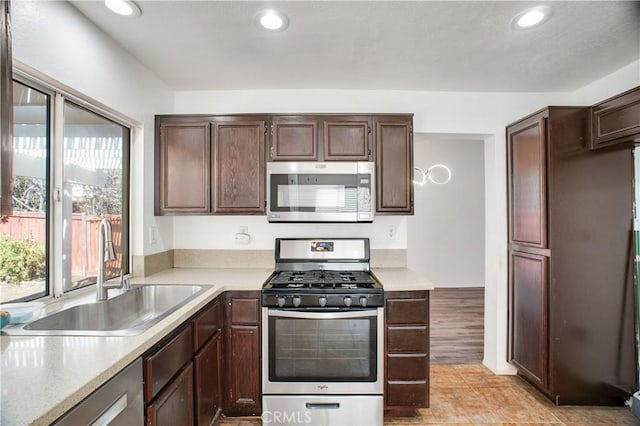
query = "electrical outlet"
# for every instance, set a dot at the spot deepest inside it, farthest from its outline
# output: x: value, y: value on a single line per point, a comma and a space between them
x: 243, y: 229
x: 391, y: 232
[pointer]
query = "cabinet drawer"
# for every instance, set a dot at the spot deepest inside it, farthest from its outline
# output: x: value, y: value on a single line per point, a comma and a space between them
x: 407, y: 311
x: 407, y: 339
x: 408, y: 394
x: 206, y: 325
x: 245, y: 311
x: 160, y: 367
x: 407, y: 367
x: 174, y: 405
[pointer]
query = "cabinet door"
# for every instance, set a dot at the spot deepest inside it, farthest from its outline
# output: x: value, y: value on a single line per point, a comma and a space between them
x: 242, y: 357
x: 294, y: 138
x: 616, y: 120
x: 207, y: 323
x: 174, y: 405
x: 347, y: 138
x: 239, y: 165
x: 243, y: 371
x: 527, y: 171
x: 528, y: 349
x: 207, y: 370
x: 394, y: 165
x: 182, y: 172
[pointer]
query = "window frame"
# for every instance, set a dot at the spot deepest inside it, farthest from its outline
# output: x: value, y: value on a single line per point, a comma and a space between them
x: 58, y: 95
x: 48, y: 290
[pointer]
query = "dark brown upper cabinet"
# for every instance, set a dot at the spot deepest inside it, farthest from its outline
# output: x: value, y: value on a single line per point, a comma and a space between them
x: 216, y: 164
x: 526, y: 148
x: 394, y: 164
x: 182, y: 166
x: 239, y: 164
x: 294, y: 138
x: 616, y: 120
x: 321, y: 138
x: 347, y: 138
x: 210, y: 164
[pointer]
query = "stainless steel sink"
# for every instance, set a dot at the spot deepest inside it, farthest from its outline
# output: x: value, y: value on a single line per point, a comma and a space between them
x: 127, y: 314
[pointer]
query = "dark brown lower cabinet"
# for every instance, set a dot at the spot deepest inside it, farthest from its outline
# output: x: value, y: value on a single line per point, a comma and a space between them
x: 528, y: 306
x: 165, y: 360
x: 174, y: 405
x: 182, y: 373
x: 207, y: 369
x: 242, y: 393
x: 209, y: 364
x: 406, y: 352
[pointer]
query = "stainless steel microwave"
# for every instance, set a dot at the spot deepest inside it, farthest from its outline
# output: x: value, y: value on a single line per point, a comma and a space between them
x: 320, y: 192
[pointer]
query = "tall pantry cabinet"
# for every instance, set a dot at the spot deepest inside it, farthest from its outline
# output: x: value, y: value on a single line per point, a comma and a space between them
x: 571, y: 308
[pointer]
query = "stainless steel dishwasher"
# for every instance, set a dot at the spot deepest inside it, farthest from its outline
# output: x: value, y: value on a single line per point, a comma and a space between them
x: 117, y: 402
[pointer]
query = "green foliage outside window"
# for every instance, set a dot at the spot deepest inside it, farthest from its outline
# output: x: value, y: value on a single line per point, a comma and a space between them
x: 21, y: 260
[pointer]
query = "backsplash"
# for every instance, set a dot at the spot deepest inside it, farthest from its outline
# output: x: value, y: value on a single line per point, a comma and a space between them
x: 256, y: 259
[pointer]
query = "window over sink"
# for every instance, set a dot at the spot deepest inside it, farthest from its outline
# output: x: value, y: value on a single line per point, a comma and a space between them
x: 70, y: 170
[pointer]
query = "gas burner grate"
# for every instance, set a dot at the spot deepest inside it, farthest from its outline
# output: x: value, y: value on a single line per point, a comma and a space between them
x: 348, y: 280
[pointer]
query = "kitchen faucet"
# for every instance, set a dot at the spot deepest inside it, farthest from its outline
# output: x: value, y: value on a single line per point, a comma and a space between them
x: 105, y: 254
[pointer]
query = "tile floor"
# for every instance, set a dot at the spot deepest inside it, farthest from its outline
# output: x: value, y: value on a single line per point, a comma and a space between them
x: 472, y: 394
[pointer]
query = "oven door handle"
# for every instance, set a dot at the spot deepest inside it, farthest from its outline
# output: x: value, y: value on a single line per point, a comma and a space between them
x: 322, y: 315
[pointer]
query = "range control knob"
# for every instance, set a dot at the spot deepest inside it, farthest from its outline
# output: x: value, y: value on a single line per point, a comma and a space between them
x: 322, y: 301
x: 281, y: 301
x: 363, y: 301
x: 347, y: 301
x: 296, y: 301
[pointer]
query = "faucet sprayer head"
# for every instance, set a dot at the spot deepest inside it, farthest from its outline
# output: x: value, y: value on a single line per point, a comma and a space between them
x: 109, y: 252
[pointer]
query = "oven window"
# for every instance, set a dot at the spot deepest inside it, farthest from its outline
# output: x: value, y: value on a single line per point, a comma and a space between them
x: 326, y: 350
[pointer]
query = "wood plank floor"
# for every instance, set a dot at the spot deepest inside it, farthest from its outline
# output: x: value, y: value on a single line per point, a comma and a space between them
x: 457, y: 325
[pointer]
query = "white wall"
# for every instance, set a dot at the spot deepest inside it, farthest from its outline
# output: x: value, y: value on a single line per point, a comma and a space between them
x: 217, y: 232
x: 58, y: 41
x: 445, y: 237
x: 619, y: 81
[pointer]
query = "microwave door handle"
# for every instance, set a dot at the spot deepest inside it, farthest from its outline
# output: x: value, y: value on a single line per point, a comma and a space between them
x: 322, y: 315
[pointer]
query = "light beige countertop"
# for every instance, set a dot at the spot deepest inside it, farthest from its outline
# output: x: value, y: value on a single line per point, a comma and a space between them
x: 42, y: 377
x: 401, y: 279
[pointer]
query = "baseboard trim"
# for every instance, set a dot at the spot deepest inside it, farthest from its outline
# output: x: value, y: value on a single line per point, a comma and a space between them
x: 506, y: 371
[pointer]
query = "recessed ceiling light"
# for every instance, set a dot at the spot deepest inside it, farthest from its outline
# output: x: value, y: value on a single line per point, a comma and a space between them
x: 123, y: 7
x: 532, y: 17
x: 272, y: 20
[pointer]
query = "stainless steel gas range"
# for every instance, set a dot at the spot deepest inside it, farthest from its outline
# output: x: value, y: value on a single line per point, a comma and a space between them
x: 322, y: 335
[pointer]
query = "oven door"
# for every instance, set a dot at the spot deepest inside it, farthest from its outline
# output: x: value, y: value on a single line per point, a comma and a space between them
x: 319, y: 353
x: 320, y: 192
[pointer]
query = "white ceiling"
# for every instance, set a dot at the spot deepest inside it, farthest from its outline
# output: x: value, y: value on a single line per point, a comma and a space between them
x: 402, y: 45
